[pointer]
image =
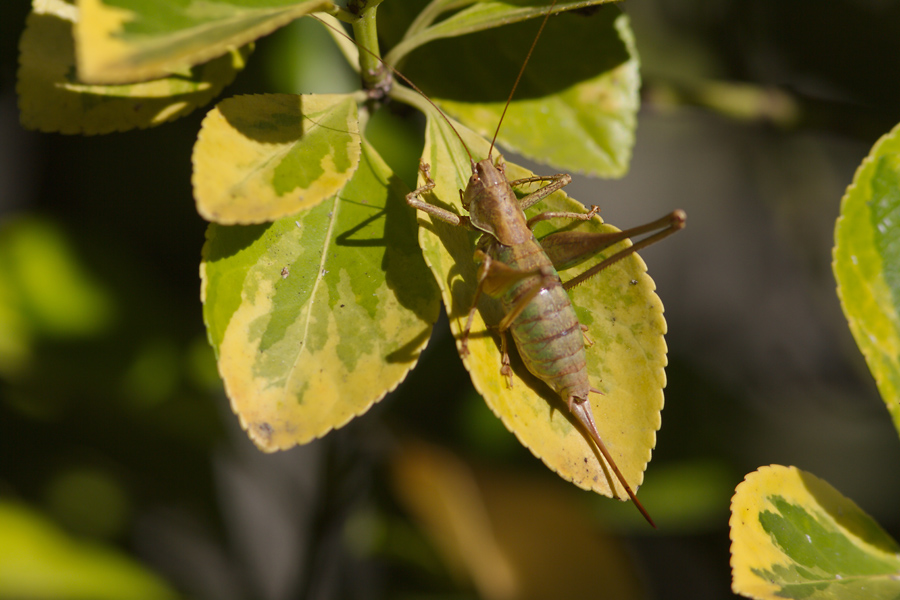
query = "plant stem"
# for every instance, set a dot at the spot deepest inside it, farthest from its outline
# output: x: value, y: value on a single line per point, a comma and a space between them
x: 376, y: 78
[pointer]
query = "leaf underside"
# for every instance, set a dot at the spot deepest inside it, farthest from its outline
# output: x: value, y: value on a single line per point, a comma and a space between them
x: 53, y: 99
x: 124, y: 41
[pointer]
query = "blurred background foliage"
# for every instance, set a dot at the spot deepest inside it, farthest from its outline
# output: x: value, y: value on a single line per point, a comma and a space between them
x: 123, y: 472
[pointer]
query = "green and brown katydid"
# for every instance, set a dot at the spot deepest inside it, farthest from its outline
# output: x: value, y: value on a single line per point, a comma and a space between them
x: 522, y: 274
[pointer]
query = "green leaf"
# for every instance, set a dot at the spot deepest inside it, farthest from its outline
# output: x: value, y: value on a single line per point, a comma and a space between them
x: 795, y: 536
x: 481, y: 16
x: 588, y: 127
x: 620, y: 309
x: 867, y: 265
x: 577, y: 115
x: 259, y: 158
x: 123, y: 41
x: 318, y: 315
x: 38, y: 560
x: 45, y: 292
x: 51, y: 98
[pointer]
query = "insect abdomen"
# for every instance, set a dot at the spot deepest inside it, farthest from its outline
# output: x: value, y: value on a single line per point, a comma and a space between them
x: 547, y: 332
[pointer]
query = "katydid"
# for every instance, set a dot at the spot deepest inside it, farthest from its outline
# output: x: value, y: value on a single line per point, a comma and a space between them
x: 522, y: 273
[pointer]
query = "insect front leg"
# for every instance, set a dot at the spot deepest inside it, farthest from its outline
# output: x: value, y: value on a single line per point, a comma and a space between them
x: 413, y: 199
x: 557, y: 182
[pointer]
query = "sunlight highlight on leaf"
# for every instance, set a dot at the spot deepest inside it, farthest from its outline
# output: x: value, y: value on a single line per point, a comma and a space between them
x: 51, y: 98
x: 125, y: 41
x: 481, y: 16
x: 318, y: 315
x: 259, y: 158
x: 586, y: 128
x: 867, y: 262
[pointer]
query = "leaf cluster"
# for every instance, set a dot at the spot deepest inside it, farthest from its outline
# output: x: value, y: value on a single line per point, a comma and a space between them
x: 317, y: 299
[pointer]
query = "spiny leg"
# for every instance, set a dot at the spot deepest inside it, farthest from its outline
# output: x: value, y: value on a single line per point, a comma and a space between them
x: 505, y: 369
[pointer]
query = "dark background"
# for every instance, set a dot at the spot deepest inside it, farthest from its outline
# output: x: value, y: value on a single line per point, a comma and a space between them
x: 113, y: 423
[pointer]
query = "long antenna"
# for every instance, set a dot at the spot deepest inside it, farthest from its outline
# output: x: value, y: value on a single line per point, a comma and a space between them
x: 519, y: 76
x: 404, y: 78
x: 408, y: 82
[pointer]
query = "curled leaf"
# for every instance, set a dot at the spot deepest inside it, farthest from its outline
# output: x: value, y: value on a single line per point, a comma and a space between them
x: 51, y: 98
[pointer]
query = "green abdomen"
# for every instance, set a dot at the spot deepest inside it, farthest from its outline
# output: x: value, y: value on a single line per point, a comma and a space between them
x: 547, y: 332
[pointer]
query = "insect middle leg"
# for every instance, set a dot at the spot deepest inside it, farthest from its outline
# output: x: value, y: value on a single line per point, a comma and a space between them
x: 495, y: 278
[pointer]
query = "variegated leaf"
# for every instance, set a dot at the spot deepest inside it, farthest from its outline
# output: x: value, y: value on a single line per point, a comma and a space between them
x: 124, y: 41
x: 867, y: 263
x: 795, y: 536
x: 619, y: 306
x: 576, y: 120
x: 318, y: 315
x: 51, y: 98
x: 259, y: 158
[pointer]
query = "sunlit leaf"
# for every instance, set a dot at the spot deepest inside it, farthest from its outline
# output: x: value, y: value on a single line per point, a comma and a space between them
x: 795, y: 536
x: 481, y: 16
x: 123, y: 41
x: 38, y: 560
x: 576, y: 115
x: 51, y: 98
x: 620, y: 309
x: 511, y: 536
x: 259, y: 158
x: 867, y: 265
x: 318, y: 315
